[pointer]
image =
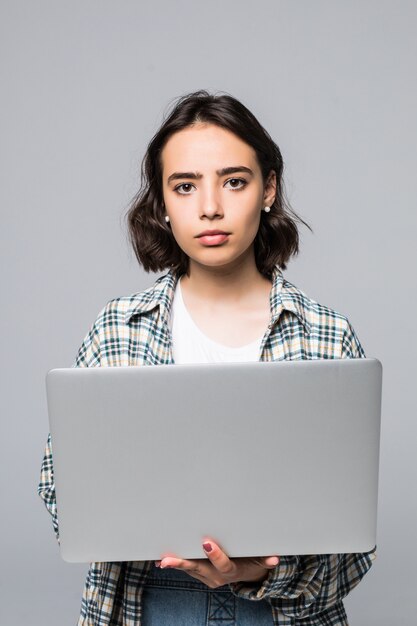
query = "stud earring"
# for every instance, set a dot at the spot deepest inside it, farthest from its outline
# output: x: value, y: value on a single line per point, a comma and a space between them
x: 167, y: 218
x: 267, y: 209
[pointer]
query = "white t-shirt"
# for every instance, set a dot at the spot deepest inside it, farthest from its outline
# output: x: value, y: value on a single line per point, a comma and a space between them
x: 191, y: 345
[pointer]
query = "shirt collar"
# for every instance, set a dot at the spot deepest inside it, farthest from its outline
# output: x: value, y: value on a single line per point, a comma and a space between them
x: 283, y: 296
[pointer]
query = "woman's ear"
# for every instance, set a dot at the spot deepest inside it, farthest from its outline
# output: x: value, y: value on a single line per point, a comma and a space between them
x: 270, y: 189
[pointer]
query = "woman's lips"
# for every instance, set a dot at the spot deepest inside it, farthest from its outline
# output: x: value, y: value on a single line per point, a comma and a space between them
x: 213, y: 240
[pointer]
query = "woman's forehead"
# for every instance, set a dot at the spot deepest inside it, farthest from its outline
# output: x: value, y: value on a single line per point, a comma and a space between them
x: 206, y: 147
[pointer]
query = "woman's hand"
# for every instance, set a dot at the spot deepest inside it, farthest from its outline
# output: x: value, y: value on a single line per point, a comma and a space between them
x: 219, y: 570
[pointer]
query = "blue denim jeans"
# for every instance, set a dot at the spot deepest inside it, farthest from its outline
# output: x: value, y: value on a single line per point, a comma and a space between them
x: 173, y: 598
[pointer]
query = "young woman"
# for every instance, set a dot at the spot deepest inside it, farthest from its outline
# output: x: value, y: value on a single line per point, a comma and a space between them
x: 211, y: 211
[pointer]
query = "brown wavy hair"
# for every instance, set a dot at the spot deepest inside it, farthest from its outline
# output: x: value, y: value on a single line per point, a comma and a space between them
x: 154, y: 245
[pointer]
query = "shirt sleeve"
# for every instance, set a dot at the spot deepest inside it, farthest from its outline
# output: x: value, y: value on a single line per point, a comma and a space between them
x: 88, y: 356
x: 351, y: 346
x: 306, y: 585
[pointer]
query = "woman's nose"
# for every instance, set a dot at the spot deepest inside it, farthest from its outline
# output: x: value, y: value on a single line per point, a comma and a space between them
x: 211, y: 206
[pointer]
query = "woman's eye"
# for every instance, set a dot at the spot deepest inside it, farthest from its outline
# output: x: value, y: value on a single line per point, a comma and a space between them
x: 183, y: 185
x: 237, y: 180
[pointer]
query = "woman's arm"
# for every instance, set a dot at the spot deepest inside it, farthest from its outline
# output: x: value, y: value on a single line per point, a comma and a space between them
x: 46, y: 487
x: 304, y: 586
x: 88, y: 356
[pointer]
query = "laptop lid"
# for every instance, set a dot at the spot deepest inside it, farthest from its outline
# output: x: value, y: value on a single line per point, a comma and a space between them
x: 264, y: 457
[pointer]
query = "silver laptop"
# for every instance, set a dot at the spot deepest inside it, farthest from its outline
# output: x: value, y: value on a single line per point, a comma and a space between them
x: 263, y: 457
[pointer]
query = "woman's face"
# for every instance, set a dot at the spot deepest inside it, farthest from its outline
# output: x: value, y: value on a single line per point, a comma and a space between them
x: 200, y: 195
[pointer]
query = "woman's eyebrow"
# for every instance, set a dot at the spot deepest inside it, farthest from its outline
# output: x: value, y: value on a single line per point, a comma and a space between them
x: 222, y: 172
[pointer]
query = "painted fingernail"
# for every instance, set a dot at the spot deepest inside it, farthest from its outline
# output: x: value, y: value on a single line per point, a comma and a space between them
x: 207, y: 547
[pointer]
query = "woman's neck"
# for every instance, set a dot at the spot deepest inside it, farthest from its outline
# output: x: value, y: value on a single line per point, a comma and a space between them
x: 228, y: 285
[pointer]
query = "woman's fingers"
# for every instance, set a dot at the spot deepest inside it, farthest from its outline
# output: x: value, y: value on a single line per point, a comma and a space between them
x: 196, y: 567
x: 225, y: 565
x: 218, y: 558
x: 270, y: 561
x: 218, y: 568
x: 170, y: 561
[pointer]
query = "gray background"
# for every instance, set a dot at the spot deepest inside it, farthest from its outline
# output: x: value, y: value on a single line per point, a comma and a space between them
x: 83, y: 88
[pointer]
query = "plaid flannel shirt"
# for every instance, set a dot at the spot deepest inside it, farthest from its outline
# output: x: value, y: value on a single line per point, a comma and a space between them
x: 303, y: 590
